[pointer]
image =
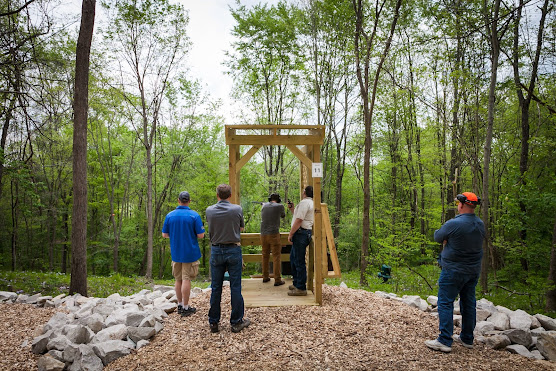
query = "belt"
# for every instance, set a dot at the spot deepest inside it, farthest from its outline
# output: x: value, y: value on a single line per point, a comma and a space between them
x: 305, y: 229
x: 226, y: 244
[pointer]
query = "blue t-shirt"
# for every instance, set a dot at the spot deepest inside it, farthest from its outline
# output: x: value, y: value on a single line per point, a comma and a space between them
x: 464, y: 248
x: 183, y: 225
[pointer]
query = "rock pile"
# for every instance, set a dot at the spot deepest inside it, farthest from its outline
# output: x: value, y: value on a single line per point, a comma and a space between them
x: 532, y: 336
x: 88, y: 333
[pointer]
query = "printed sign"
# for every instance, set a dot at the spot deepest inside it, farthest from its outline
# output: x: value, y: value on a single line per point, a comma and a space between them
x: 317, y: 169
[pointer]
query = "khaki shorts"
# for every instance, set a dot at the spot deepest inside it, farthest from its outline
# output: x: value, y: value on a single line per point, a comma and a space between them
x: 185, y: 271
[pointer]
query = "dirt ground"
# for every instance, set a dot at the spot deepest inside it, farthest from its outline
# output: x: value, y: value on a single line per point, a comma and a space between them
x: 352, y: 330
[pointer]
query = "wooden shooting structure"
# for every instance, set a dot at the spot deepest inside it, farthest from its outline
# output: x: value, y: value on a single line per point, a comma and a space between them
x: 311, y: 137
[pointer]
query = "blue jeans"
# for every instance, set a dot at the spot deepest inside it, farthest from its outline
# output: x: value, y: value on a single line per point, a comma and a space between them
x: 450, y: 284
x: 224, y: 259
x: 300, y: 241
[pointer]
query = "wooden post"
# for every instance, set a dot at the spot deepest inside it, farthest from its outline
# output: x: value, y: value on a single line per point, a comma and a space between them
x: 233, y: 175
x: 317, y: 228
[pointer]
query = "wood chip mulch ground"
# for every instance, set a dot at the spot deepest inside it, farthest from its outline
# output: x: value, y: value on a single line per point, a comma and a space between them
x: 352, y: 330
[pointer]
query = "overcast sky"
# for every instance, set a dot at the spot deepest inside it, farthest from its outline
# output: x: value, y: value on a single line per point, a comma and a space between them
x: 210, y: 26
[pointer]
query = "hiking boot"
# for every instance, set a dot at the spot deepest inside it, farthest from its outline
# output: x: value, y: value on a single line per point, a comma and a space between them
x: 266, y: 280
x: 291, y: 287
x: 214, y: 327
x: 437, y: 345
x: 241, y: 325
x: 187, y: 312
x: 180, y: 309
x: 458, y: 340
x: 297, y: 292
x: 279, y: 283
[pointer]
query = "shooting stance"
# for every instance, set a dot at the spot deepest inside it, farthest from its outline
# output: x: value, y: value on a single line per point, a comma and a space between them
x: 271, y: 213
x: 460, y: 261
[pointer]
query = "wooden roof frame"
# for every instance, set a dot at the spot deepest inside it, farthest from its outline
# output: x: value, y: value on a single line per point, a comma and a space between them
x: 289, y: 136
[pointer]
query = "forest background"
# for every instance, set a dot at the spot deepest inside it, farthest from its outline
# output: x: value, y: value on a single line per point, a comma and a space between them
x: 421, y: 100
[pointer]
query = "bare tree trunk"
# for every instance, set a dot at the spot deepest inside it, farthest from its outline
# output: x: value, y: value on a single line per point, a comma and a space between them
x: 494, y: 40
x: 551, y: 292
x: 524, y: 104
x: 78, y: 281
x: 368, y: 106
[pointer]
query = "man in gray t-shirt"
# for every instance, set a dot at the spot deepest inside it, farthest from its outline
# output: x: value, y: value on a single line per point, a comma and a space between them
x: 225, y: 221
x: 271, y: 214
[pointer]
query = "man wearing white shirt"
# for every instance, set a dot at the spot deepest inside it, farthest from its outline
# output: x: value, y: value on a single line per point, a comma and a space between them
x: 300, y: 236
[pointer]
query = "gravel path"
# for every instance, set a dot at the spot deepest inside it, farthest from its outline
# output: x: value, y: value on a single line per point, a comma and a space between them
x: 353, y: 330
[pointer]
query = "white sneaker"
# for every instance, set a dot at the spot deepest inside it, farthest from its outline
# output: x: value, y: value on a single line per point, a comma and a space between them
x: 458, y: 339
x: 437, y: 345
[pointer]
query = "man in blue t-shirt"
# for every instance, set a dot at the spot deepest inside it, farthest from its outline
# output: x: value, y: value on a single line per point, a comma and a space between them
x: 460, y: 260
x: 183, y: 227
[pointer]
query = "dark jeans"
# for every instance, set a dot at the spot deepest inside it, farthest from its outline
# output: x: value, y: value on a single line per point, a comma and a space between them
x: 224, y: 259
x: 450, y: 284
x: 300, y: 241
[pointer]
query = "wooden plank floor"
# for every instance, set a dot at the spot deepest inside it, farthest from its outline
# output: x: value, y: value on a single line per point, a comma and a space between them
x: 258, y: 294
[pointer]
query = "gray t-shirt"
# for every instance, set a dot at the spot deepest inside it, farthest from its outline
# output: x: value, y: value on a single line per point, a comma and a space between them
x: 270, y: 217
x: 225, y: 220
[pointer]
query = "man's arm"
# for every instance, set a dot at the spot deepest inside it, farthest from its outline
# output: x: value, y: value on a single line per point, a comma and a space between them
x: 165, y: 235
x: 295, y: 227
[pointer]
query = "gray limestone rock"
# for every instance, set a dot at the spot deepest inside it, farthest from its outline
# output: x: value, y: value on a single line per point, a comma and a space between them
x: 86, y: 360
x: 497, y: 341
x: 519, y: 349
x: 415, y: 301
x: 546, y: 322
x: 519, y: 336
x: 95, y: 322
x: 116, y: 332
x: 109, y: 351
x: 78, y: 334
x: 135, y: 319
x: 49, y: 363
x: 483, y: 326
x: 60, y: 342
x: 142, y: 343
x: 500, y: 320
x: 38, y: 346
x: 546, y: 344
x: 148, y: 321
x: 140, y: 333
x: 537, y: 354
x: 57, y: 321
x: 520, y: 320
x: 71, y: 353
x: 8, y: 296
x: 57, y: 354
x: 432, y: 300
x: 482, y: 314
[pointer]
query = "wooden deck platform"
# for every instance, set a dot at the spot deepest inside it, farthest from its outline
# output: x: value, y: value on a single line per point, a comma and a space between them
x: 258, y: 294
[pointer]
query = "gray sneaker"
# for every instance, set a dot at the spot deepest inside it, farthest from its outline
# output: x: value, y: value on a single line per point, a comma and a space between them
x: 437, y: 345
x: 458, y: 340
x: 241, y: 325
x: 291, y: 287
x: 297, y: 292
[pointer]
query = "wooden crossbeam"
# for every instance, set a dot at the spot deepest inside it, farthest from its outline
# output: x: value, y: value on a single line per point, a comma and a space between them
x: 330, y: 243
x: 242, y: 161
x: 257, y: 258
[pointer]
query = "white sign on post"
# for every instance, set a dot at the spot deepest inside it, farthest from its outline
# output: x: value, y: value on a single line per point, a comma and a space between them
x: 317, y: 169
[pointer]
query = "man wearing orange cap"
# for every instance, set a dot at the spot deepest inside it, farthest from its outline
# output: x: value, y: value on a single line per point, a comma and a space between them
x: 460, y: 261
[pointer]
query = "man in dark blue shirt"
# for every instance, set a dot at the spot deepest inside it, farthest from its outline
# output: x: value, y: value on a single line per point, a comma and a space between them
x: 183, y: 227
x: 460, y: 261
